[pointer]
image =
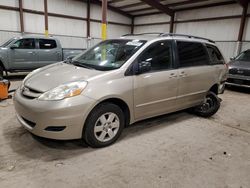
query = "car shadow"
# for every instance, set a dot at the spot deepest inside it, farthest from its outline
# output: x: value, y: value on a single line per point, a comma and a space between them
x: 238, y: 89
x: 16, y: 77
x: 31, y: 146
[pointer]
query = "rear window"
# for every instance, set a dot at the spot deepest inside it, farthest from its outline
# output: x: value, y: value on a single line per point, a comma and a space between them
x: 191, y: 54
x: 215, y: 55
x: 47, y: 44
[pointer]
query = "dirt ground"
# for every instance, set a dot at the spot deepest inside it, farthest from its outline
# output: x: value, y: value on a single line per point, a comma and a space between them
x: 171, y: 151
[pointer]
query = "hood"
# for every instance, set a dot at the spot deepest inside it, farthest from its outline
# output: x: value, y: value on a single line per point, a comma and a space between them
x: 54, y: 75
x: 239, y: 64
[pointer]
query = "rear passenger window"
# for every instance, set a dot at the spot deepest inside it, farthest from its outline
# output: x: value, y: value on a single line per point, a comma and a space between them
x: 215, y: 55
x: 47, y: 44
x: 192, y: 54
x: 159, y: 54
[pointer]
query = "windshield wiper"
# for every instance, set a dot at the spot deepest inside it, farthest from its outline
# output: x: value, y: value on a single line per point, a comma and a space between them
x: 79, y: 64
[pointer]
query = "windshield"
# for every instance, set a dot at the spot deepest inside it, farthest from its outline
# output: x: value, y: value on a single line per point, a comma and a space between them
x: 244, y: 56
x: 7, y: 42
x: 109, y: 54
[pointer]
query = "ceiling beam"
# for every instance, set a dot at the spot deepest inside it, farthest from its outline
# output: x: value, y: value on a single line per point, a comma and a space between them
x: 159, y: 6
x: 243, y: 3
x: 185, y: 3
x: 151, y: 8
x: 115, y: 1
x: 191, y: 8
x: 133, y: 5
x: 206, y: 6
x: 110, y: 7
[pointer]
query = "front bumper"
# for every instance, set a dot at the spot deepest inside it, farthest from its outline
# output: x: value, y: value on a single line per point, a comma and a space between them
x: 62, y: 120
x: 238, y: 80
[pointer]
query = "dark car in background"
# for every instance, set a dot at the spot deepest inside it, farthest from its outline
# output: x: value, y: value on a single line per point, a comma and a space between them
x: 239, y: 70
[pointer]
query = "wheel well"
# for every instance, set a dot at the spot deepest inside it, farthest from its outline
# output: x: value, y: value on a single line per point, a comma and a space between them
x: 122, y: 105
x: 214, y: 89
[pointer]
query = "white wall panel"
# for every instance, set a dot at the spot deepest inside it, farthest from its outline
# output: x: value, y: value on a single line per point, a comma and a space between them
x: 65, y: 26
x: 34, y: 4
x: 68, y: 7
x: 152, y: 19
x: 9, y: 20
x: 155, y: 28
x: 227, y: 49
x: 12, y: 3
x: 217, y: 30
x: 245, y: 46
x: 219, y: 11
x: 116, y: 31
x: 72, y: 42
x: 5, y: 35
x: 95, y: 29
x: 113, y: 31
x: 96, y: 13
x: 33, y: 23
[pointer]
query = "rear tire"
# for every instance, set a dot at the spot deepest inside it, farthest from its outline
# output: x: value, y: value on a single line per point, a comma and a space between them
x: 104, y: 125
x: 210, y: 106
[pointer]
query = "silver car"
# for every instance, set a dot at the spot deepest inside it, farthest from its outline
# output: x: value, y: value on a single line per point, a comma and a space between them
x: 118, y: 82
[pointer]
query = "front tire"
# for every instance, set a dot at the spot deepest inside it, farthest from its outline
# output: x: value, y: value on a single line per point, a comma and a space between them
x: 104, y: 125
x: 209, y: 107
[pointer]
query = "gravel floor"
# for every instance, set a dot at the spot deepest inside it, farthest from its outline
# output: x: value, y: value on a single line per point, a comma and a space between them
x: 176, y: 150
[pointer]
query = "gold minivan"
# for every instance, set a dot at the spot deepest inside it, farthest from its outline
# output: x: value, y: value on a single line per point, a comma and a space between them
x: 118, y: 82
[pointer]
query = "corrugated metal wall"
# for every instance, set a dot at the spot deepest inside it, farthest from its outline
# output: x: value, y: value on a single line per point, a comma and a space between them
x: 71, y: 32
x: 224, y: 31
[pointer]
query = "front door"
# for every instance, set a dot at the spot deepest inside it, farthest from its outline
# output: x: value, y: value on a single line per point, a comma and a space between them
x: 155, y: 91
x: 24, y: 55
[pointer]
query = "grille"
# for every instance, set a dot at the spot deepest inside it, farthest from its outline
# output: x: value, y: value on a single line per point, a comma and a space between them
x: 30, y: 123
x: 244, y: 72
x: 30, y: 93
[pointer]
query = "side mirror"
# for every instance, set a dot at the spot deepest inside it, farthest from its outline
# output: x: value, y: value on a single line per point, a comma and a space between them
x: 232, y: 58
x: 143, y: 66
x: 14, y: 46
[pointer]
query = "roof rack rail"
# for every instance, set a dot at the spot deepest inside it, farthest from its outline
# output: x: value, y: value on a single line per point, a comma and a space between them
x: 182, y: 35
x: 150, y: 33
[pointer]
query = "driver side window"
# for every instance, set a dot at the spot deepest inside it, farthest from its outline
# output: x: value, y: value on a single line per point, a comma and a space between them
x: 25, y: 44
x: 159, y: 54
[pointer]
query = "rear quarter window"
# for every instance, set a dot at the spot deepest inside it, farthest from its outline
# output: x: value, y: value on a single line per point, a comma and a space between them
x: 191, y: 54
x: 47, y: 44
x: 214, y: 55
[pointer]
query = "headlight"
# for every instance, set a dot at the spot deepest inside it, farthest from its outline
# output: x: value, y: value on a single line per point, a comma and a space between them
x: 64, y: 91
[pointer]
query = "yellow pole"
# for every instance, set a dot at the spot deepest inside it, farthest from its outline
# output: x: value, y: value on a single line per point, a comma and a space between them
x: 104, y: 19
x: 104, y: 31
x: 104, y: 27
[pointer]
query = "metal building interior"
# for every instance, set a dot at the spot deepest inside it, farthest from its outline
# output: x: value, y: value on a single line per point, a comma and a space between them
x: 178, y: 149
